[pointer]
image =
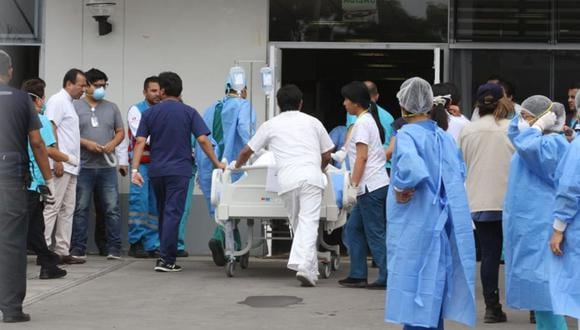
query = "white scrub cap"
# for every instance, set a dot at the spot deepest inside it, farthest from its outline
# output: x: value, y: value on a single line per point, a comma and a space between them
x: 416, y: 95
x: 536, y: 105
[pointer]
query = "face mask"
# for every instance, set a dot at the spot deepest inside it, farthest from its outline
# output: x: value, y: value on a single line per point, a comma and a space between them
x: 99, y: 94
x: 523, y: 124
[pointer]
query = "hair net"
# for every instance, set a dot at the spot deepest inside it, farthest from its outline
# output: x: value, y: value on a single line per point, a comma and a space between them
x: 416, y: 95
x: 536, y: 105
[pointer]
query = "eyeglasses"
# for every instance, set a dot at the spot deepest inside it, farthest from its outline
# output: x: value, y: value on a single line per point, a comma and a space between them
x: 105, y: 85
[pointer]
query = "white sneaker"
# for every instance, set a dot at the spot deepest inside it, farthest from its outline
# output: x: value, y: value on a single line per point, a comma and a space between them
x: 305, y: 279
x: 112, y: 256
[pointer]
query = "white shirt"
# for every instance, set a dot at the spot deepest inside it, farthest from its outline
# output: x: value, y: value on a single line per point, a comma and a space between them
x: 133, y: 119
x: 297, y: 141
x: 456, y: 124
x: 365, y: 131
x: 61, y: 111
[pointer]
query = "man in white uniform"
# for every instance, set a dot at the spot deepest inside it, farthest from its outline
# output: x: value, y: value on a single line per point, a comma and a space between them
x: 302, y: 149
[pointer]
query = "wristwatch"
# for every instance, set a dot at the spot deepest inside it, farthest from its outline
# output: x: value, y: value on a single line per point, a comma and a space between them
x: 134, y: 170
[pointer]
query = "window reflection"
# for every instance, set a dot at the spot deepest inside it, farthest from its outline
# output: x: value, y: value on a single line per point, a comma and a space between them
x: 359, y: 20
x: 19, y: 20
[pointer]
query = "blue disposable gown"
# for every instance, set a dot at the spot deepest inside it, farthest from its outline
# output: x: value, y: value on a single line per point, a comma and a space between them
x: 430, y: 246
x: 565, y: 270
x: 527, y: 216
x: 238, y: 120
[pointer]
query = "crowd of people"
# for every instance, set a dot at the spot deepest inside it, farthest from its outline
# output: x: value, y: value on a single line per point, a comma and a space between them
x: 424, y: 184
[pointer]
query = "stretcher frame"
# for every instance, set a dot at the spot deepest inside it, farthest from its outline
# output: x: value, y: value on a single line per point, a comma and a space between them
x: 247, y: 200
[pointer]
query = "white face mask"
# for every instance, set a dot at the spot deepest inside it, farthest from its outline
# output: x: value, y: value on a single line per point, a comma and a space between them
x: 523, y: 124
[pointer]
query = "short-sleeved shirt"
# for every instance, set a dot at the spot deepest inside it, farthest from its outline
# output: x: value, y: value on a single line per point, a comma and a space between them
x: 18, y: 118
x: 61, y: 111
x: 365, y: 131
x: 169, y: 125
x: 297, y: 141
x: 48, y: 137
x: 108, y: 119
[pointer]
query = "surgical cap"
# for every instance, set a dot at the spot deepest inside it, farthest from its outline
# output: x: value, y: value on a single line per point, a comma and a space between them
x: 229, y: 84
x: 536, y: 105
x: 416, y: 95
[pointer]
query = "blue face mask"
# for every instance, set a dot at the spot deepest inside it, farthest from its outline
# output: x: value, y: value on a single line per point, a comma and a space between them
x: 99, y: 93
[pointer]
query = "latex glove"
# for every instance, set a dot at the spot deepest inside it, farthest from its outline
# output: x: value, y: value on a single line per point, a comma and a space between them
x: 232, y: 165
x: 545, y: 121
x: 47, y: 191
x: 339, y: 156
x: 72, y: 160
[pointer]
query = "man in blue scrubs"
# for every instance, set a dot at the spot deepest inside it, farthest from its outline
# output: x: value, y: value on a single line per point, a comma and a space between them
x: 169, y: 125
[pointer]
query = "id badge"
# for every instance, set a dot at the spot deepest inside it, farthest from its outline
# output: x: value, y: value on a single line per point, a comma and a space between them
x: 94, y: 121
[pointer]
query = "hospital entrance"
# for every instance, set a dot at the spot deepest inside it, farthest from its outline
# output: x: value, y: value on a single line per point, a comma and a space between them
x: 321, y: 73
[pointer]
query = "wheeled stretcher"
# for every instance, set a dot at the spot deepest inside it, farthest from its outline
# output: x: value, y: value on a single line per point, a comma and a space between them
x: 250, y: 199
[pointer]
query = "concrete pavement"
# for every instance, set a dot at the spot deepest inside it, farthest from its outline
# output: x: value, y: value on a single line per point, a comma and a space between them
x: 128, y: 294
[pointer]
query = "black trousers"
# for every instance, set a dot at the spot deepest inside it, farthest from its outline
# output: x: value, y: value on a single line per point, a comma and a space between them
x: 36, y: 241
x: 490, y: 235
x: 13, y: 231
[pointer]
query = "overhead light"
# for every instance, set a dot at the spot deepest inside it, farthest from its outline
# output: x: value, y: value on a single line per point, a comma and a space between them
x: 101, y: 10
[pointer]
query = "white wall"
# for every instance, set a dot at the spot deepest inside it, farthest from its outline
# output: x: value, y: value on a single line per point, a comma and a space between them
x: 198, y: 39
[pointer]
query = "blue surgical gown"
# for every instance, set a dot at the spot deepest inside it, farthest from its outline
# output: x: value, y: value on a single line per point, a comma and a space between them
x: 430, y: 246
x: 527, y: 216
x: 238, y: 120
x: 565, y: 270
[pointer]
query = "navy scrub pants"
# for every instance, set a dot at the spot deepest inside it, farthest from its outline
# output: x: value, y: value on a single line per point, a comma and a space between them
x: 170, y: 193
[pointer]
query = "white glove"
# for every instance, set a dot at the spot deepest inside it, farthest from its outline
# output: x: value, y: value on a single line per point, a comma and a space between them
x: 338, y: 156
x: 72, y: 160
x: 545, y: 121
x: 47, y: 191
x: 232, y: 165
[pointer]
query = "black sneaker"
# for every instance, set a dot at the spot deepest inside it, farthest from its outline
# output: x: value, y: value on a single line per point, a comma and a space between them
x: 51, y: 273
x: 217, y: 252
x: 182, y: 254
x: 377, y: 286
x: 350, y: 282
x: 161, y: 266
x: 15, y: 318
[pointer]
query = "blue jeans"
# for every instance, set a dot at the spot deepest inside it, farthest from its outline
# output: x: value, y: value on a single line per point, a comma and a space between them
x: 104, y: 182
x: 170, y: 192
x: 366, y: 228
x: 143, y: 225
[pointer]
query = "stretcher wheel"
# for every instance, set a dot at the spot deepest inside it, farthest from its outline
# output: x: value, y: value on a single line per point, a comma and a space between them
x: 335, y: 262
x: 325, y: 269
x: 245, y: 260
x: 230, y: 268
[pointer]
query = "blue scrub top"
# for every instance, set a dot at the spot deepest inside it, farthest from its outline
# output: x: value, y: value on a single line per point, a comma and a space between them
x: 48, y: 137
x: 170, y: 125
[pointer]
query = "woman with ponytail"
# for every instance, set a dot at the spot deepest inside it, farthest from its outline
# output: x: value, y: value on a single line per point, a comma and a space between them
x: 366, y: 224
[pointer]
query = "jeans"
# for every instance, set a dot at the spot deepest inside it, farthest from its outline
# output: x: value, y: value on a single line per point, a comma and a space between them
x: 103, y: 181
x: 490, y: 236
x: 13, y: 229
x: 366, y: 228
x: 170, y: 193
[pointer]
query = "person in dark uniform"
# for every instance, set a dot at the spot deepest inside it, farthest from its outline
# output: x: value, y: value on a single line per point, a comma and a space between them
x: 19, y: 124
x: 169, y: 125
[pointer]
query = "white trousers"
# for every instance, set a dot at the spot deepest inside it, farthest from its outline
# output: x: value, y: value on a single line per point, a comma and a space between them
x: 303, y: 205
x: 58, y: 217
